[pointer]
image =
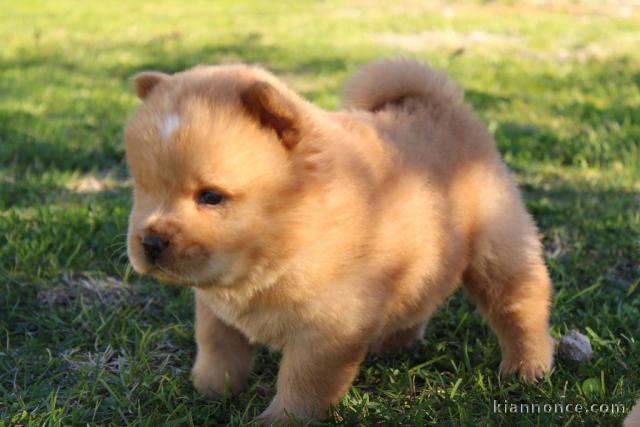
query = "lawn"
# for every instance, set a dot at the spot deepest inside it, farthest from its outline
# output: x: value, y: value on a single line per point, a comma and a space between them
x: 86, y: 341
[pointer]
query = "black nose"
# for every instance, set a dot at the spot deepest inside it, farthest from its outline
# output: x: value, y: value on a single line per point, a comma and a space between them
x: 153, y: 247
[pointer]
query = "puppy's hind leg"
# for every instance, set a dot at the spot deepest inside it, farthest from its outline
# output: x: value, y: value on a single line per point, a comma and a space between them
x: 509, y: 280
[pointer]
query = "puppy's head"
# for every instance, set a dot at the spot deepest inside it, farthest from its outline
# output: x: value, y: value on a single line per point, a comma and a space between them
x: 210, y: 154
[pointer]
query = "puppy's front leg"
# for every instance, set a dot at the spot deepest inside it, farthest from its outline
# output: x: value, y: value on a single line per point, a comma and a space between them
x: 313, y: 374
x: 224, y: 354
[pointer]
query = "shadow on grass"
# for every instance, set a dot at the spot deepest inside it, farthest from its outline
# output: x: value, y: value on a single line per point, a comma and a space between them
x: 482, y: 100
x: 27, y: 144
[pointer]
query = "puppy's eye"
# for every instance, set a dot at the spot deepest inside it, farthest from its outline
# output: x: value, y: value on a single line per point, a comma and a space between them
x: 208, y: 197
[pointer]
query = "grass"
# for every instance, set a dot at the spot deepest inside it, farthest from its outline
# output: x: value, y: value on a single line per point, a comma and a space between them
x: 84, y: 341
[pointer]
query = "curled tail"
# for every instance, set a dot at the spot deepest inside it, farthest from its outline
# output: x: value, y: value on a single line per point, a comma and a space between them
x: 389, y: 81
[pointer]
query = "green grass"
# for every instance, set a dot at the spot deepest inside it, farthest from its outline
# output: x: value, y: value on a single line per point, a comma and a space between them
x: 84, y: 341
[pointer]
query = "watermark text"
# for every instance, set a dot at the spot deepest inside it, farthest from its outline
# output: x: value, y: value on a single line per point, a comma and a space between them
x: 506, y: 407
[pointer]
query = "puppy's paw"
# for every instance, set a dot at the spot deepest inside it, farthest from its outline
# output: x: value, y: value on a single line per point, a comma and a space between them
x: 280, y: 414
x: 268, y: 418
x: 529, y: 372
x: 213, y: 382
x: 533, y: 365
x: 209, y: 385
x: 276, y: 417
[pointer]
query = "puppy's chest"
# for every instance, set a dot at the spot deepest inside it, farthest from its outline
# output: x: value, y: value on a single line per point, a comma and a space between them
x: 265, y: 325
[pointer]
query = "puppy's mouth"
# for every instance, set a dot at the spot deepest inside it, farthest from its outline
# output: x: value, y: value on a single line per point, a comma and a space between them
x: 165, y: 275
x: 197, y: 272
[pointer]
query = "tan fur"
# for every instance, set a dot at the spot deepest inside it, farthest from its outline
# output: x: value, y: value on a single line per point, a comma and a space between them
x: 341, y: 232
x: 633, y: 419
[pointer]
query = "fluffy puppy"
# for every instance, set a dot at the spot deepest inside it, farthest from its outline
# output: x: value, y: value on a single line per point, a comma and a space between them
x: 328, y: 234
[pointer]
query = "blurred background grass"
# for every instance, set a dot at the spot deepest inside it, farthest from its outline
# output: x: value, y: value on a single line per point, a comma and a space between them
x: 557, y: 83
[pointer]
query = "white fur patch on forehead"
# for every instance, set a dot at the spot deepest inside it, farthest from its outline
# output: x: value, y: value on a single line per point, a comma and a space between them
x: 168, y: 126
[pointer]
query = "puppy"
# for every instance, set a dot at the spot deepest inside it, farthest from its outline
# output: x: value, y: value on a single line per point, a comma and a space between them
x: 326, y: 235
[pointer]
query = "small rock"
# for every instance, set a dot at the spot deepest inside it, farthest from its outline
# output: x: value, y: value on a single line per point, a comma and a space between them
x: 575, y: 347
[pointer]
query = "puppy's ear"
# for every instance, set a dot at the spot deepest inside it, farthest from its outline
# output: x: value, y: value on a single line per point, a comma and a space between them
x: 272, y: 110
x: 145, y: 81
